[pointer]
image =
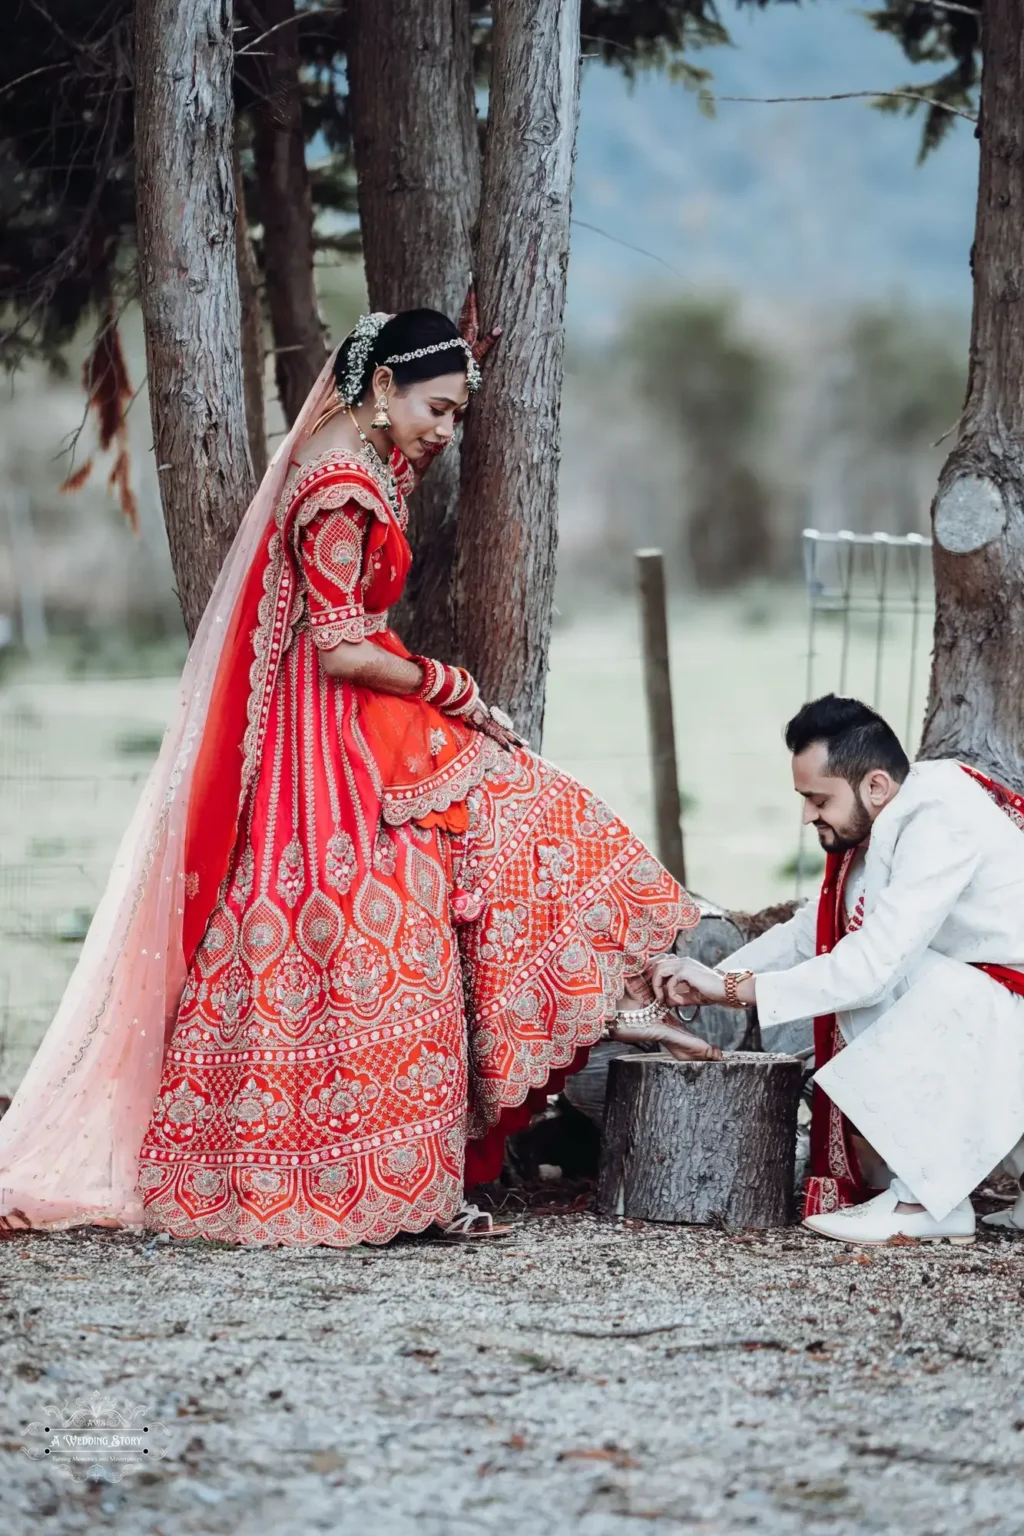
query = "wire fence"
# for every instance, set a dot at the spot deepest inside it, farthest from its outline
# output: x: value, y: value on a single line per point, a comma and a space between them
x: 870, y: 612
x: 886, y: 580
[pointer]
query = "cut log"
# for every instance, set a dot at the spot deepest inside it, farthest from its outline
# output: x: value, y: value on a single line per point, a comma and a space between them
x: 586, y: 1089
x: 701, y: 1142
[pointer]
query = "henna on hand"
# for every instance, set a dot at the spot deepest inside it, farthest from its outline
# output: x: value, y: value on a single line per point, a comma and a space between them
x: 497, y: 726
x: 469, y: 328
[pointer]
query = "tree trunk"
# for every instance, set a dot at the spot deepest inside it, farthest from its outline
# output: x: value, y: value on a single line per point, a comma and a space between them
x: 509, y: 504
x: 417, y: 157
x: 974, y: 707
x: 711, y: 1141
x: 189, y: 283
x: 279, y: 141
x: 252, y: 327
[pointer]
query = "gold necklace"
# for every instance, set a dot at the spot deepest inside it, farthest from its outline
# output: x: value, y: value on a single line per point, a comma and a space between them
x: 390, y: 486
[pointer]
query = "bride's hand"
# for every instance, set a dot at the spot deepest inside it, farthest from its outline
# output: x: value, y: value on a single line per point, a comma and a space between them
x: 495, y: 724
x: 469, y: 328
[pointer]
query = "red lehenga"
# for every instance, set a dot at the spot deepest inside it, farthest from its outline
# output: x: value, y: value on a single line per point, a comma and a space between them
x: 399, y: 936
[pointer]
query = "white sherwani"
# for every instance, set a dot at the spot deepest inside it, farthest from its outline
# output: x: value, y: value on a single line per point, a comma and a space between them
x: 933, y: 1074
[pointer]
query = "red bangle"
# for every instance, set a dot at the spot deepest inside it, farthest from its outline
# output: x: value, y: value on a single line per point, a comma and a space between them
x: 435, y: 678
x: 449, y: 689
x: 467, y: 700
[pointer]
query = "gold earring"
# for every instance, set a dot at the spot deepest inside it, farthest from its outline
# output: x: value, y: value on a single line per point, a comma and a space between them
x: 382, y: 421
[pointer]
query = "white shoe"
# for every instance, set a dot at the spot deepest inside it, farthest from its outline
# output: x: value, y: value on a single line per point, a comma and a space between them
x: 1011, y: 1220
x: 878, y: 1221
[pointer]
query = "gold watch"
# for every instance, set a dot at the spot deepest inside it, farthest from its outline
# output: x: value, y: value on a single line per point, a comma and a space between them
x: 732, y: 983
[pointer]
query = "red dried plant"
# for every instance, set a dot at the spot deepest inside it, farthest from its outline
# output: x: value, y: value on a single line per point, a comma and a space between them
x: 105, y: 379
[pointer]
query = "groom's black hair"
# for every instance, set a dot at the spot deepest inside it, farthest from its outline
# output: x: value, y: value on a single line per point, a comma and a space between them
x: 857, y: 738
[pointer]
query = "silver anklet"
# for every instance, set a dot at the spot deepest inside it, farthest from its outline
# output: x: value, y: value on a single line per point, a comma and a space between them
x: 649, y: 1013
x: 651, y: 1010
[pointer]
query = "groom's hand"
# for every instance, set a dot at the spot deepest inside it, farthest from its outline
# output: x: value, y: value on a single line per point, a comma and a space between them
x: 668, y: 979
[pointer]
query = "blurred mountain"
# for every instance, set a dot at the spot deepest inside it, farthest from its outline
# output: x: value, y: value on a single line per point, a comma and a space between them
x: 811, y: 201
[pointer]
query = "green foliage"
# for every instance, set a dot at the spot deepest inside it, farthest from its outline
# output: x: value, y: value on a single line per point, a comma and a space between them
x: 67, y: 203
x: 904, y: 377
x: 933, y: 34
x: 66, y: 143
x: 655, y: 35
x: 714, y: 387
x: 139, y: 743
x: 805, y: 864
x: 67, y: 196
x: 701, y: 372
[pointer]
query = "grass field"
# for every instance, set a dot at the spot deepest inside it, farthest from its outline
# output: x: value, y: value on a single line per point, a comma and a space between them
x: 74, y: 751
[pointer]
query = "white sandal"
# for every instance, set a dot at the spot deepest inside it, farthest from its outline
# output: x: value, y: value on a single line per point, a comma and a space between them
x: 463, y: 1226
x: 1009, y: 1221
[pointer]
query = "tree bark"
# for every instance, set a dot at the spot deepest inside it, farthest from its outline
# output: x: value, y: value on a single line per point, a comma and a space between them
x: 711, y: 1141
x: 279, y: 141
x: 189, y: 283
x: 252, y: 327
x: 417, y: 158
x: 509, y: 504
x: 974, y: 707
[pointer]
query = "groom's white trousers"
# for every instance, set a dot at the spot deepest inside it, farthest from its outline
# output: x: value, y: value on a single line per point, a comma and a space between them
x: 933, y: 1078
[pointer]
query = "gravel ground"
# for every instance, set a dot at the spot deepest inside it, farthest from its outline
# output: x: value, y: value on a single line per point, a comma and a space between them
x: 580, y: 1376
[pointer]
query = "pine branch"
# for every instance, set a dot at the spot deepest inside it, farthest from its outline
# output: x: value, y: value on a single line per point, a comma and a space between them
x: 915, y: 96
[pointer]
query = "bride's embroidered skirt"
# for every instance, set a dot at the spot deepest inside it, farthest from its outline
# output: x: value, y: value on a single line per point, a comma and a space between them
x: 373, y: 1008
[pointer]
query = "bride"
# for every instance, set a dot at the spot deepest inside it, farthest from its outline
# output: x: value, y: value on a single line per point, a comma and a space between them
x: 356, y: 931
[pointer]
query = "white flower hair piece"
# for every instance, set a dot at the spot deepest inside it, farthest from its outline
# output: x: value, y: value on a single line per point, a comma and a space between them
x: 367, y: 329
x: 473, y: 379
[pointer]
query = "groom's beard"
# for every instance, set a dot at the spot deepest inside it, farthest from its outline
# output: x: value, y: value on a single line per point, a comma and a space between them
x: 840, y: 839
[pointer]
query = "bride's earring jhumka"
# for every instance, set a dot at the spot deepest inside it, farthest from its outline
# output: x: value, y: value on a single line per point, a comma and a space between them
x: 382, y: 421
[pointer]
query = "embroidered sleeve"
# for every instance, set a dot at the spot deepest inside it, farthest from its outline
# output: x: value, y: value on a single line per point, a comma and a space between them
x: 331, y: 557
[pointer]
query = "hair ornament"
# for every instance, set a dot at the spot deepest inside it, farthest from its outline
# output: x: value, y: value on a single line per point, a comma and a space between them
x: 472, y: 366
x: 367, y: 329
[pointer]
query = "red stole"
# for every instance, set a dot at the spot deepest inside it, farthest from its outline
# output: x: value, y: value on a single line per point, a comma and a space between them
x: 835, y: 1179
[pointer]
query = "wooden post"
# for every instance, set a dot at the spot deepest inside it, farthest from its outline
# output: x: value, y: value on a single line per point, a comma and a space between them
x: 650, y: 577
x: 708, y: 1141
x: 25, y: 559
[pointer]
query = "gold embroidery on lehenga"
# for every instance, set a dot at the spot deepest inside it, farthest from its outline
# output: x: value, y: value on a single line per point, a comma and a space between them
x: 369, y: 990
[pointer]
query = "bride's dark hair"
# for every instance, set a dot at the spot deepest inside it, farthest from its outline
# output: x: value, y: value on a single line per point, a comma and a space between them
x: 405, y: 332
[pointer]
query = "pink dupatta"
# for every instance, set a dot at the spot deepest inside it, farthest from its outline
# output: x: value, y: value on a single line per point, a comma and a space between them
x: 69, y: 1142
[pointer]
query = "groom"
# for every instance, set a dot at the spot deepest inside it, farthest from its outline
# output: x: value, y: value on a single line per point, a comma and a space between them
x: 911, y: 963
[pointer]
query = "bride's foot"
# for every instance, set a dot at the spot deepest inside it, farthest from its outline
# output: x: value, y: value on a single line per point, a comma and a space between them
x: 469, y: 1222
x: 652, y: 1024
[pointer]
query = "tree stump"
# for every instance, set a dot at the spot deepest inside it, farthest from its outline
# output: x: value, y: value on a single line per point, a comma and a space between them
x: 701, y: 1141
